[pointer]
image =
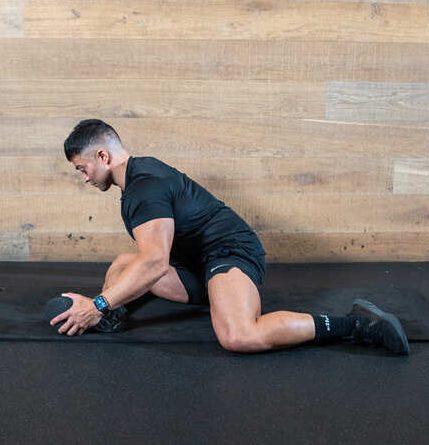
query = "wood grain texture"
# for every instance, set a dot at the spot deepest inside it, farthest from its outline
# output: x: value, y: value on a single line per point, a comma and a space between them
x: 47, y: 213
x: 377, y: 102
x: 213, y: 60
x: 141, y: 98
x: 236, y: 137
x: 232, y: 176
x: 413, y: 2
x: 334, y: 213
x: 281, y: 247
x: 291, y: 213
x: 81, y: 246
x: 351, y: 247
x: 411, y: 177
x: 309, y: 118
x: 14, y: 246
x: 39, y: 136
x: 11, y: 18
x: 220, y: 19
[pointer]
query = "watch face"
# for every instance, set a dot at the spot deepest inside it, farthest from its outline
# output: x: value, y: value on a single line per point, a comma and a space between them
x: 100, y: 303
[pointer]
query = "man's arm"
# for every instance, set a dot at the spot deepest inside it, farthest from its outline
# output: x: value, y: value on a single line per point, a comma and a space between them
x: 154, y: 239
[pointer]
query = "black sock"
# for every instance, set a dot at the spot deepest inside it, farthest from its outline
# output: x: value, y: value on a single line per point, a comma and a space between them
x: 334, y: 328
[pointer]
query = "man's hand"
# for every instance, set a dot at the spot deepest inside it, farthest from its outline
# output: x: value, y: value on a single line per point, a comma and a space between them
x: 81, y: 316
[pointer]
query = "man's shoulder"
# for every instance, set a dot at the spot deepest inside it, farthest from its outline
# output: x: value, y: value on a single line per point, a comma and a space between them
x: 149, y: 178
x: 148, y: 184
x: 148, y: 167
x: 147, y: 162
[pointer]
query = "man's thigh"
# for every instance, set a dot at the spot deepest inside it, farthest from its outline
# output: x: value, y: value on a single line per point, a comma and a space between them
x: 181, y: 284
x: 235, y: 303
x: 171, y: 287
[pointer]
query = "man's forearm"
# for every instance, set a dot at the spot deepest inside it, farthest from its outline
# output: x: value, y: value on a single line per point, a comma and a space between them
x: 136, y: 279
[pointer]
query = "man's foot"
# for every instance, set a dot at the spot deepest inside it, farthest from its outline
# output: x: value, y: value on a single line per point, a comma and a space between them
x: 114, y: 321
x: 378, y: 328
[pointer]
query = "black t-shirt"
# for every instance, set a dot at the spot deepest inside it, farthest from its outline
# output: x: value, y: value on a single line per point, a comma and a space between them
x: 204, y: 225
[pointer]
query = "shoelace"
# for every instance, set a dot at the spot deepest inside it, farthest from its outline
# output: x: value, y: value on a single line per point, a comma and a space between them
x: 112, y: 321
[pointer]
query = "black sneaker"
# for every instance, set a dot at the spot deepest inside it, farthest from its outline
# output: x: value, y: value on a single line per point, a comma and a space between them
x: 378, y: 328
x: 114, y: 321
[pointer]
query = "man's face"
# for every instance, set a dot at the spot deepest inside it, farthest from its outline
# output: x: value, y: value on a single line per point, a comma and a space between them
x: 95, y: 171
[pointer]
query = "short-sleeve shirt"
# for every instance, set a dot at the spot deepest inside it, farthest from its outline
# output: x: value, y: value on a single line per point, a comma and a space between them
x: 204, y: 225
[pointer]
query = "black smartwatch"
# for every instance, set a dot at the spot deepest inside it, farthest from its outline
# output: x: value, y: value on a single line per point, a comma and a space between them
x: 101, y: 304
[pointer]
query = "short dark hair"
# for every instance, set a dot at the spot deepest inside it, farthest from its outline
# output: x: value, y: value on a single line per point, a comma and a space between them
x: 86, y: 133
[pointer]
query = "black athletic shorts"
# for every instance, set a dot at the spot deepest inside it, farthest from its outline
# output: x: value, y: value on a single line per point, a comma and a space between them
x: 195, y: 277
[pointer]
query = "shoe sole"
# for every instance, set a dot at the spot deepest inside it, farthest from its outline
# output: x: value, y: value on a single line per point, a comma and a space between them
x: 112, y: 326
x: 390, y: 318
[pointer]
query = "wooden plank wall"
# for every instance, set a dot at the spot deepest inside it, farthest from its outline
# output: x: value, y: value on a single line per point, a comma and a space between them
x: 310, y: 118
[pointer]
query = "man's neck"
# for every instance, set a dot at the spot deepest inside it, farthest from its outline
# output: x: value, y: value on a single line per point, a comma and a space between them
x: 119, y: 171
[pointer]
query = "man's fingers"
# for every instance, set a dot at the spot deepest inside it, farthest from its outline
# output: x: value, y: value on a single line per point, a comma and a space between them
x: 73, y: 330
x: 70, y: 328
x: 63, y: 316
x: 65, y: 327
x: 77, y: 318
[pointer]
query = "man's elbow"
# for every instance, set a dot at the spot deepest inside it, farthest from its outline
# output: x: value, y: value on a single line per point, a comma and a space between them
x: 164, y: 265
x: 157, y: 263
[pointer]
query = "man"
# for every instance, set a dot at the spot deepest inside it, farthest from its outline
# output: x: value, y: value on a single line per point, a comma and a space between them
x: 194, y: 249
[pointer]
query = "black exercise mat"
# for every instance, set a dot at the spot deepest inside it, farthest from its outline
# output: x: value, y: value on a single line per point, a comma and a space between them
x: 25, y: 287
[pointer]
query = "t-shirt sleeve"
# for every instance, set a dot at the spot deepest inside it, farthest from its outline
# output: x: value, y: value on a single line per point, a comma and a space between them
x: 148, y: 199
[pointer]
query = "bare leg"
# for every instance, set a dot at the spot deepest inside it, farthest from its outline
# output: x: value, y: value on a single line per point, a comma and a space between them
x: 235, y: 307
x: 169, y: 286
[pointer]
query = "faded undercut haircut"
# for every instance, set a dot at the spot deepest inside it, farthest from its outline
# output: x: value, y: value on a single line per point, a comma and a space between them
x: 87, y: 133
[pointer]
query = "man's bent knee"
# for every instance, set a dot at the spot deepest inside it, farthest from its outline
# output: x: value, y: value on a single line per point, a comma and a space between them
x: 240, y: 340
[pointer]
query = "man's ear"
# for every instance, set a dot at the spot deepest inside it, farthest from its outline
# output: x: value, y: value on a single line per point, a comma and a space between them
x: 104, y: 156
